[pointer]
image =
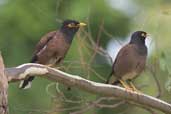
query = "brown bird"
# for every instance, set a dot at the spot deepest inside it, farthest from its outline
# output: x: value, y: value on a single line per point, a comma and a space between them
x: 130, y: 61
x: 53, y: 46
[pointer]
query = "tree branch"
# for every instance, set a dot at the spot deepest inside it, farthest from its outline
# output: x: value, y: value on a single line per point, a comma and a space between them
x: 23, y: 71
x: 3, y: 89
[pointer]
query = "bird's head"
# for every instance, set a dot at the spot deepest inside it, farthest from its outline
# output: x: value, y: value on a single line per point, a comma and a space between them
x: 139, y: 37
x: 72, y: 25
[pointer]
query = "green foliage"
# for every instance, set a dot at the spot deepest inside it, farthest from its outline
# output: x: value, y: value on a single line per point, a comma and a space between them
x: 23, y: 22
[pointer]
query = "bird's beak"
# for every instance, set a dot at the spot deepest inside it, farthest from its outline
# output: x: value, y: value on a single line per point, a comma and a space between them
x: 148, y: 35
x: 81, y: 24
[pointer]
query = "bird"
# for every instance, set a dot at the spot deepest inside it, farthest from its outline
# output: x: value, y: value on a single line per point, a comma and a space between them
x: 52, y: 47
x: 130, y: 62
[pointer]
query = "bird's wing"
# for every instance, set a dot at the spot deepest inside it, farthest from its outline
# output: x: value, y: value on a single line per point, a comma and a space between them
x: 122, y: 54
x: 53, y: 51
x: 42, y: 44
x: 128, y: 61
x: 44, y: 40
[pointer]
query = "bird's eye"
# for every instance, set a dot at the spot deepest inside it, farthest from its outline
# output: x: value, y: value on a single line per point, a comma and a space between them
x: 143, y: 35
x: 71, y: 25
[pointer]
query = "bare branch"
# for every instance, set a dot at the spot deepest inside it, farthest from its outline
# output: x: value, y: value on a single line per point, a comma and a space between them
x: 3, y: 89
x: 23, y: 71
x: 153, y: 71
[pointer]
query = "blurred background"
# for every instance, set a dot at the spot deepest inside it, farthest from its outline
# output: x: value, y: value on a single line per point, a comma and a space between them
x: 110, y: 24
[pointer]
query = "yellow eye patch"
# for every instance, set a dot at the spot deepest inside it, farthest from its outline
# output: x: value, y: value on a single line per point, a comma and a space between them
x: 143, y: 35
x: 71, y: 25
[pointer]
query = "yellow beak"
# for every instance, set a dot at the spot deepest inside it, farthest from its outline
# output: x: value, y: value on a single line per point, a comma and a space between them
x: 147, y: 35
x: 81, y: 24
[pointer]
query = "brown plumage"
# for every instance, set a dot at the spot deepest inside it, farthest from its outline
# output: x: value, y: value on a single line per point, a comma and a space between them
x: 51, y: 49
x: 130, y: 61
x: 53, y: 46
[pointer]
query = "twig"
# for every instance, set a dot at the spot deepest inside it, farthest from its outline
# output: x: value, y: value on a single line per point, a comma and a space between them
x: 153, y: 72
x: 144, y: 107
x: 97, y: 104
x: 98, y: 49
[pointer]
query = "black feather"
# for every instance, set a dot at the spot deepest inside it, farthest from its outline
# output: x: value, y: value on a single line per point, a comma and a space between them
x: 26, y: 81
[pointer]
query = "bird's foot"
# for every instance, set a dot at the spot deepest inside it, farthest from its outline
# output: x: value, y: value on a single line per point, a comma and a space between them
x: 129, y: 89
x: 53, y: 66
x: 50, y: 65
x: 126, y: 86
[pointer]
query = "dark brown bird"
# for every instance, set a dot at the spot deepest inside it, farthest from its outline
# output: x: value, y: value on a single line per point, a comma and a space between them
x: 53, y: 46
x: 130, y: 61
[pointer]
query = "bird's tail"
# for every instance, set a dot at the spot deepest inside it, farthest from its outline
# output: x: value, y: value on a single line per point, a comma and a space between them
x: 26, y: 84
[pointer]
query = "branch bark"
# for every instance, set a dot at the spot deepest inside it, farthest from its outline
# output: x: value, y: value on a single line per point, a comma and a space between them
x: 3, y: 89
x: 23, y: 71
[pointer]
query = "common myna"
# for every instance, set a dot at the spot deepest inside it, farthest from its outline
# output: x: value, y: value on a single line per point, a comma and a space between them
x: 53, y: 46
x: 130, y: 61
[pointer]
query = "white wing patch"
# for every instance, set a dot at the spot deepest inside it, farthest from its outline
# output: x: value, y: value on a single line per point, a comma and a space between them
x: 42, y: 50
x: 27, y: 86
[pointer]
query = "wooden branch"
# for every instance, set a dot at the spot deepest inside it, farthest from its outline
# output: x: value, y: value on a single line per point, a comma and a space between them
x: 3, y: 89
x: 25, y: 70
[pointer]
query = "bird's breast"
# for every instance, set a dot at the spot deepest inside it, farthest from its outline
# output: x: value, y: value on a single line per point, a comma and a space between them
x: 54, y: 51
x: 130, y: 75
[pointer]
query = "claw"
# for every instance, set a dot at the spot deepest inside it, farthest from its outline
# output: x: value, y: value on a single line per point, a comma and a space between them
x: 49, y: 65
x: 126, y: 86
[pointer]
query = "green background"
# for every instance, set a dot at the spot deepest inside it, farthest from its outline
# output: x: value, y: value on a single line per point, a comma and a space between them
x: 23, y: 22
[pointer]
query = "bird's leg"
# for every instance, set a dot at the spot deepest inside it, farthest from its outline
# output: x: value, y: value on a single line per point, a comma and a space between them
x: 134, y: 88
x: 53, y: 66
x: 50, y: 65
x: 59, y: 68
x: 125, y: 85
